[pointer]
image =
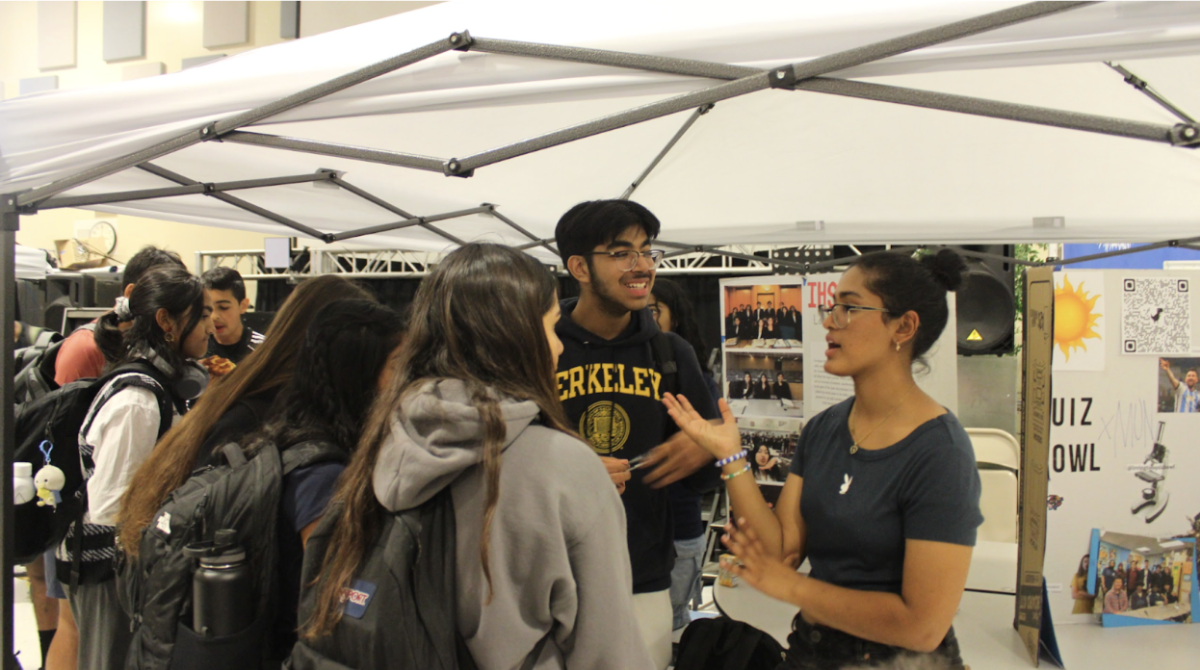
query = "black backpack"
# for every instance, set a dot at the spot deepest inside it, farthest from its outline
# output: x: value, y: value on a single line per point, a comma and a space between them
x: 400, y: 610
x: 725, y: 644
x: 241, y: 493
x: 35, y: 366
x: 47, y: 433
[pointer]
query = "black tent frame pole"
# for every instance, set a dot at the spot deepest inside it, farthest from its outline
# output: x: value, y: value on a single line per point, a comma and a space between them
x: 233, y: 200
x: 519, y: 228
x: 380, y: 156
x: 1179, y: 134
x: 198, y: 188
x: 1144, y: 86
x: 422, y: 221
x: 700, y: 111
x: 1123, y: 252
x: 215, y: 130
x: 10, y: 222
x: 784, y: 77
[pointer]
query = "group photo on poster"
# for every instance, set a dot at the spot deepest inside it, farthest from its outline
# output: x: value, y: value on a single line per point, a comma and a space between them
x: 1141, y: 579
x: 762, y: 316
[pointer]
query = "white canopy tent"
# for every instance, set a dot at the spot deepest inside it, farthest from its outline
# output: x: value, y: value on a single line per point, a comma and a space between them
x: 769, y: 167
x: 767, y: 164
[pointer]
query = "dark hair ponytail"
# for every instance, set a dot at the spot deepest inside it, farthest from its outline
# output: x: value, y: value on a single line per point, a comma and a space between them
x: 909, y: 285
x: 168, y: 287
x: 337, y: 369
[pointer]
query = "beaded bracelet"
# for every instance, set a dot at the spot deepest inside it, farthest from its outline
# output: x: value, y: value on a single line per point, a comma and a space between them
x: 735, y: 474
x: 729, y: 459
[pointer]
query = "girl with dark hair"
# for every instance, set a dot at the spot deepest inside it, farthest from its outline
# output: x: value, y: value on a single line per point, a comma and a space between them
x: 762, y: 388
x: 781, y: 390
x: 473, y: 405
x: 170, y: 321
x: 337, y: 372
x: 232, y: 408
x: 883, y: 494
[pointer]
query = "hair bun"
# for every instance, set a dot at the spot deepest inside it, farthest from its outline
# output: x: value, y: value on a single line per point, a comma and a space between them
x: 947, y: 268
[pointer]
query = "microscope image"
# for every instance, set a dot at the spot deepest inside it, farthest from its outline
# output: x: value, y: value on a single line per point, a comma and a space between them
x: 1155, y: 497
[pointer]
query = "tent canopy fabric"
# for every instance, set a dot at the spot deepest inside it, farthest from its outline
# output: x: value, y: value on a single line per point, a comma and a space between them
x: 770, y: 167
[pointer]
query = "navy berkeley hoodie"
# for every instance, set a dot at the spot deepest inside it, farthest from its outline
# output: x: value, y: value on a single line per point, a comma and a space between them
x: 612, y: 392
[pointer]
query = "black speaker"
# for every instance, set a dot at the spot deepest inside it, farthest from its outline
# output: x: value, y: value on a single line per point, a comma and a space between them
x: 986, y: 303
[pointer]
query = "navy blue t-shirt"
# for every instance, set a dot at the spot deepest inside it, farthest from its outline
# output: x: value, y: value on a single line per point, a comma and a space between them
x: 859, y: 509
x: 306, y: 494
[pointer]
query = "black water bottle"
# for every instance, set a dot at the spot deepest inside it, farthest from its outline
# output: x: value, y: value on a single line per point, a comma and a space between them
x: 222, y: 588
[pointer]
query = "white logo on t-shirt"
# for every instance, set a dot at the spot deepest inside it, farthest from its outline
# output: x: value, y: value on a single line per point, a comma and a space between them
x: 846, y: 484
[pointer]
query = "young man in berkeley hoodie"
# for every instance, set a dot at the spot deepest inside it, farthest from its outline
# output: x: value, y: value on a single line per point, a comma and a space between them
x: 610, y: 383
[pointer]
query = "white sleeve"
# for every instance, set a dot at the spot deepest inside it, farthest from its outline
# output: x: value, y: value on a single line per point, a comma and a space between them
x: 122, y: 435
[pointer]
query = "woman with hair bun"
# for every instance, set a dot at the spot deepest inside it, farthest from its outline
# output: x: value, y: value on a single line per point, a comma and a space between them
x: 883, y: 494
x: 157, y: 333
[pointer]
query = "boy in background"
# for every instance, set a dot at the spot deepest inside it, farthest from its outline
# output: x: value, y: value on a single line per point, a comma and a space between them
x: 231, y: 340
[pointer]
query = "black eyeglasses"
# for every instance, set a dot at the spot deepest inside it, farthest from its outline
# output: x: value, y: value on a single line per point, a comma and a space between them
x: 628, y: 259
x: 841, y: 312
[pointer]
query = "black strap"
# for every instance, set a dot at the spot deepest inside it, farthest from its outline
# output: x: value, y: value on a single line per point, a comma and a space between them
x: 533, y: 656
x: 308, y: 453
x: 664, y: 360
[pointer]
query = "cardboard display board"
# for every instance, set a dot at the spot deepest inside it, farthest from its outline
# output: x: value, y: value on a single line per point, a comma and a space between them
x: 1122, y: 459
x: 1037, y: 332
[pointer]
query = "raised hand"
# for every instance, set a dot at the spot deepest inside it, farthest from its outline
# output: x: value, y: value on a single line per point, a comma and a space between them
x: 618, y: 471
x: 718, y: 440
x: 773, y: 576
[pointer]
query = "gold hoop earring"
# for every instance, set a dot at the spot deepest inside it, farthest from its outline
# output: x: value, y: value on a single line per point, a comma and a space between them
x: 171, y: 338
x: 897, y: 346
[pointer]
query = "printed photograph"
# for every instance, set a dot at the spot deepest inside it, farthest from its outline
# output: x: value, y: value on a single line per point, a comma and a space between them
x: 1140, y: 580
x: 764, y: 384
x: 770, y: 453
x: 762, y: 317
x: 1178, y: 387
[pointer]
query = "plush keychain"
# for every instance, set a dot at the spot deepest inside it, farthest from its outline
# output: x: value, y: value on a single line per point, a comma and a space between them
x: 50, y: 480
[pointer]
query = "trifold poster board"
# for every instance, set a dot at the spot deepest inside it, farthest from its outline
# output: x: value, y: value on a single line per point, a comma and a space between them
x: 773, y: 353
x: 1124, y: 460
x: 1032, y: 619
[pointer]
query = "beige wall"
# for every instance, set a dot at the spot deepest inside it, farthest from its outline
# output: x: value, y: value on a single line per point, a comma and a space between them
x: 133, y: 233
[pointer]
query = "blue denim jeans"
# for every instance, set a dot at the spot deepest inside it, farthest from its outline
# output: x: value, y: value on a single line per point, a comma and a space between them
x: 685, y: 578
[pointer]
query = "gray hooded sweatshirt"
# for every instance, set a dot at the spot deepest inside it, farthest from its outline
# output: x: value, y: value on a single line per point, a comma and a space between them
x: 558, y: 560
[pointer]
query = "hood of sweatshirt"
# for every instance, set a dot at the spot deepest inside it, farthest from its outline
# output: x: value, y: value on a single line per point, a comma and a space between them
x: 641, y: 328
x: 436, y: 435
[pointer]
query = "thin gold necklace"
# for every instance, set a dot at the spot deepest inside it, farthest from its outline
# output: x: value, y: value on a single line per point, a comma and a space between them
x: 854, y: 447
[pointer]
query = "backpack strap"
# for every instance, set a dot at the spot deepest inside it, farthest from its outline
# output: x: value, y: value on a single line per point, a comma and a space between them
x: 309, y: 453
x: 664, y: 360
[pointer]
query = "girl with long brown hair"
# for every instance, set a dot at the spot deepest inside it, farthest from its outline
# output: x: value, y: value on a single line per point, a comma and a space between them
x: 473, y: 405
x: 230, y: 408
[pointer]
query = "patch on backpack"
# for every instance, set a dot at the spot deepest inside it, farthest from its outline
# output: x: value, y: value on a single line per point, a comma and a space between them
x: 164, y: 522
x: 357, y: 597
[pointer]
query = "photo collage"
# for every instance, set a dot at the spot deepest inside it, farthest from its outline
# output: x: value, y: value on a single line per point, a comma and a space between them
x: 1137, y: 580
x: 762, y: 349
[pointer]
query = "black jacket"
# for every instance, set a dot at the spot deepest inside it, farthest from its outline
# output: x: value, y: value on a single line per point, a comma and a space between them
x: 612, y: 394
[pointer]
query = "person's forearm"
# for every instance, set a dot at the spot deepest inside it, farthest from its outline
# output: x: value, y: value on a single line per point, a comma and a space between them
x: 872, y: 615
x: 746, y: 502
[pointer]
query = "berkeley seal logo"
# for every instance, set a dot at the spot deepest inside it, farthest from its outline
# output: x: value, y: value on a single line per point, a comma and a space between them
x: 606, y: 426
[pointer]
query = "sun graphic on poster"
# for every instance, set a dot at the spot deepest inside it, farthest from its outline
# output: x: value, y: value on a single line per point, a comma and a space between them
x: 1074, y: 321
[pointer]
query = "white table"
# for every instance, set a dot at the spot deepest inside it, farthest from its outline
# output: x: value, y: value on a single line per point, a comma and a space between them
x: 989, y: 642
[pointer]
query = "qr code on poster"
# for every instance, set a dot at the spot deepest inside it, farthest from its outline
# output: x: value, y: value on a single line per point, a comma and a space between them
x: 1156, y: 316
